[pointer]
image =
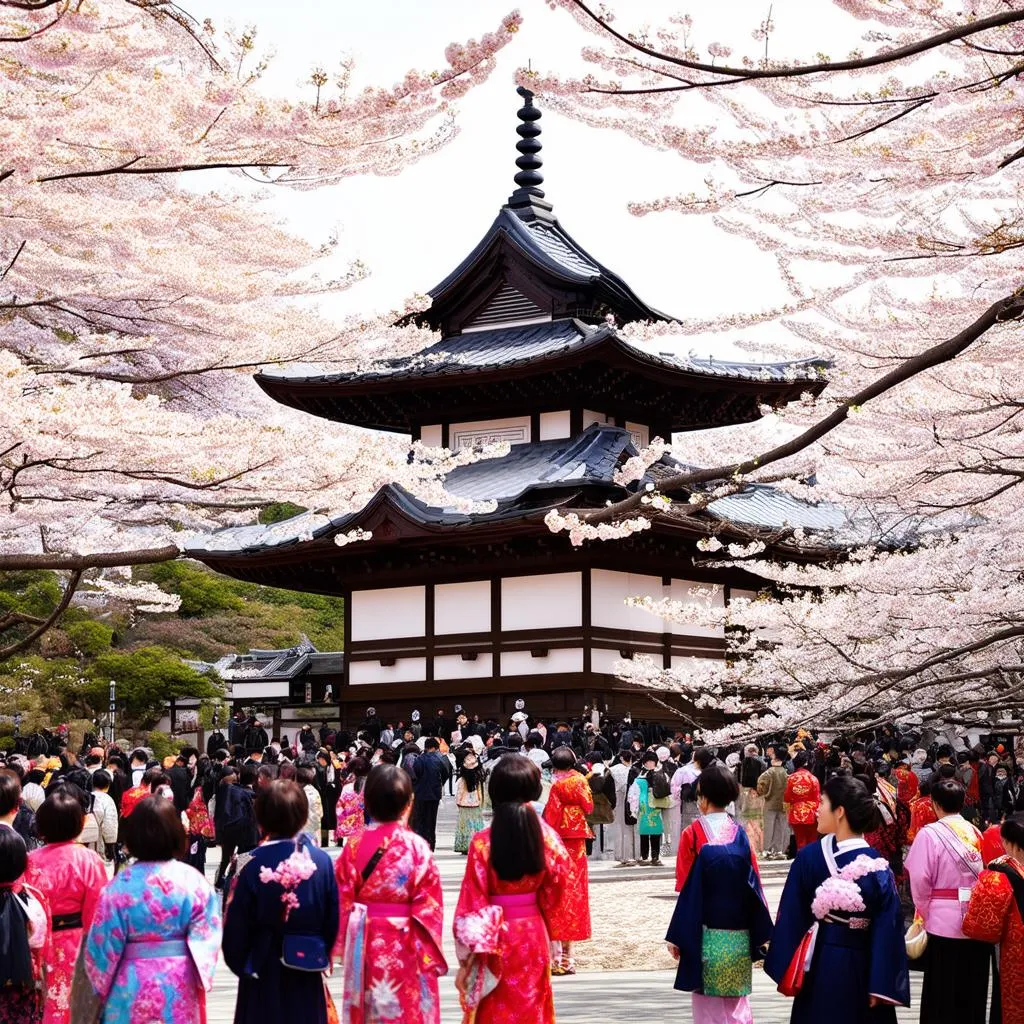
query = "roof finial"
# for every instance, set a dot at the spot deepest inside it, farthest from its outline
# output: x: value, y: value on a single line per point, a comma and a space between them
x: 529, y: 162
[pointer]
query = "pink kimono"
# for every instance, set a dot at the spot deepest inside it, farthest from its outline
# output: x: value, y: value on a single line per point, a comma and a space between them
x: 70, y: 877
x: 944, y: 864
x: 391, y: 928
x: 350, y: 812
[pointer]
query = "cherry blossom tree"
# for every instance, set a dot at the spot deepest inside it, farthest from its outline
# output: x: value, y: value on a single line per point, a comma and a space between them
x: 143, y: 279
x: 885, y: 183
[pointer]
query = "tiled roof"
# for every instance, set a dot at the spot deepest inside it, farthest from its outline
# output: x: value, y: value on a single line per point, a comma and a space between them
x: 502, y: 347
x: 516, y: 482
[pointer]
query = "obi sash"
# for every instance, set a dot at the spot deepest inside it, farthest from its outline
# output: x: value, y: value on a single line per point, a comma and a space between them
x: 154, y: 949
x: 65, y: 922
x: 517, y: 905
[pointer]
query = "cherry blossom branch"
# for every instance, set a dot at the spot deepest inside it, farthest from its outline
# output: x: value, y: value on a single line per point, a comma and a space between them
x: 129, y: 168
x: 79, y: 562
x: 951, y: 35
x: 1010, y: 307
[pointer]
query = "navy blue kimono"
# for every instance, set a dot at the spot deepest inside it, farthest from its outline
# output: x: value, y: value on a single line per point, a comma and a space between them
x: 723, y: 890
x: 253, y: 933
x: 849, y: 965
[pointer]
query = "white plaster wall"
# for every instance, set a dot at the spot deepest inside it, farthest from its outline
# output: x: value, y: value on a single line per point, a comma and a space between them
x: 431, y: 435
x: 604, y: 661
x: 386, y: 613
x: 609, y: 591
x: 589, y: 416
x: 682, y: 590
x: 258, y: 690
x: 523, y: 663
x: 542, y: 602
x: 681, y: 661
x: 462, y: 607
x: 554, y: 425
x: 451, y: 666
x: 641, y: 434
x: 404, y: 670
x: 475, y: 432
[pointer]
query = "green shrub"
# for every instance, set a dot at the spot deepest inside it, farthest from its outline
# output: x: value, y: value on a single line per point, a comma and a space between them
x: 89, y: 636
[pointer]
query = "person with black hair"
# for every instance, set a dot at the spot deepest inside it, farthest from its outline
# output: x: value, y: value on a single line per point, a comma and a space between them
x: 721, y: 922
x: 996, y: 915
x: 156, y: 933
x: 858, y: 963
x: 281, y: 921
x: 625, y: 845
x: 802, y: 799
x: 944, y: 863
x: 351, y: 808
x: 647, y: 796
x: 429, y: 773
x: 511, y: 904
x: 24, y: 929
x: 569, y: 803
x: 391, y: 911
x: 71, y: 877
x: 683, y: 786
x: 469, y: 798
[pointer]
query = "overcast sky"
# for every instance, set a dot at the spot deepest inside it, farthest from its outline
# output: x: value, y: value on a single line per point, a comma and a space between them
x: 412, y: 229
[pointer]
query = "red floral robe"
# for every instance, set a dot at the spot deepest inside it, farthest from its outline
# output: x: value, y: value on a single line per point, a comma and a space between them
x: 994, y: 916
x: 511, y: 946
x: 803, y: 795
x: 908, y: 785
x: 569, y: 803
x: 922, y: 812
x: 70, y: 877
x: 392, y: 960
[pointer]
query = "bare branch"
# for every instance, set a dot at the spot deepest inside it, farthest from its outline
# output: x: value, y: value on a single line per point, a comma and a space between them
x: 93, y: 560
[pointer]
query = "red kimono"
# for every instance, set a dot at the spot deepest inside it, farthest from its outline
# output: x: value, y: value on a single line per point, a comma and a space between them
x: 922, y: 812
x: 391, y: 928
x: 802, y: 797
x: 991, y: 845
x: 994, y: 915
x: 507, y: 926
x: 70, y: 877
x: 908, y: 785
x: 569, y: 803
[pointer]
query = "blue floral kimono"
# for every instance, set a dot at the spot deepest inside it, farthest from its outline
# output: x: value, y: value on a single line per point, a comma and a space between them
x: 857, y: 953
x: 152, y: 949
x: 254, y: 929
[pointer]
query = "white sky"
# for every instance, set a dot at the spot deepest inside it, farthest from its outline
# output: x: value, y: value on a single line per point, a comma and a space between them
x: 414, y: 228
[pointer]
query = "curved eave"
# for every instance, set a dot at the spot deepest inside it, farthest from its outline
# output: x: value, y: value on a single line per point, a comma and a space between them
x: 318, y: 394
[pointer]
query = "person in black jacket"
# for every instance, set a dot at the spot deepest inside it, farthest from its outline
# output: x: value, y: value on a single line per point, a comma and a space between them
x: 234, y: 819
x: 429, y: 772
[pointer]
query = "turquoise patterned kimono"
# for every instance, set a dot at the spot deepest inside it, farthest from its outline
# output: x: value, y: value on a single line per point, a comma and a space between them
x: 152, y: 948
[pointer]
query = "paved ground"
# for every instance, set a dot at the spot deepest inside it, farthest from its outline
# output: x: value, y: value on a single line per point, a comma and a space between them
x: 631, y: 908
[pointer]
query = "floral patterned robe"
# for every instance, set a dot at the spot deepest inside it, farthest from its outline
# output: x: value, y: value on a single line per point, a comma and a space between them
x: 350, y: 813
x: 569, y: 803
x: 994, y: 915
x: 146, y: 904
x: 514, y: 949
x: 392, y: 962
x: 70, y: 877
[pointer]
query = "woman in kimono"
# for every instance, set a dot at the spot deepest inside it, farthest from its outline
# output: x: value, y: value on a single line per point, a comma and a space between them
x: 996, y: 914
x: 469, y: 798
x: 569, y: 803
x: 281, y: 917
x: 391, y: 914
x: 351, y: 810
x: 512, y: 901
x: 649, y: 823
x: 803, y: 795
x: 625, y: 844
x: 944, y: 864
x: 151, y: 952
x: 70, y: 877
x: 838, y: 941
x: 721, y: 920
x: 24, y: 936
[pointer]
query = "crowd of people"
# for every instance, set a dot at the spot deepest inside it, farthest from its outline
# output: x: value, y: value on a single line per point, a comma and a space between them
x: 106, y: 912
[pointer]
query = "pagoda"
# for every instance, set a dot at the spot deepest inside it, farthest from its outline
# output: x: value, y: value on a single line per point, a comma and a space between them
x: 443, y: 607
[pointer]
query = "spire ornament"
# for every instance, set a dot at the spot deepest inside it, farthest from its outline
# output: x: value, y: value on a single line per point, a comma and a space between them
x: 528, y: 178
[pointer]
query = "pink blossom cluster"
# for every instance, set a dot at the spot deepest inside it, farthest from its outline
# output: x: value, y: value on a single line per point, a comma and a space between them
x: 841, y: 892
x: 290, y: 874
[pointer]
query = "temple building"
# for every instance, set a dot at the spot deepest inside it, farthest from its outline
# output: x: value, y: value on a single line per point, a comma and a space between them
x: 443, y: 607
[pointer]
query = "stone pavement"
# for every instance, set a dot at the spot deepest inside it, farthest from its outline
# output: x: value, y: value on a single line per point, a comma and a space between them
x: 611, y: 996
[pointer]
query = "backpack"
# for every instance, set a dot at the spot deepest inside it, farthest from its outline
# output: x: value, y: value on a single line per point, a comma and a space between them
x: 661, y: 788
